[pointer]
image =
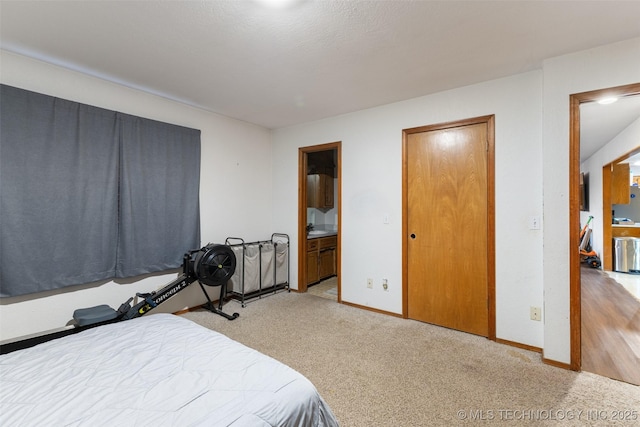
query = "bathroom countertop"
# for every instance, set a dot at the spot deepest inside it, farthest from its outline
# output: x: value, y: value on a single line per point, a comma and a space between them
x: 322, y: 230
x: 324, y: 234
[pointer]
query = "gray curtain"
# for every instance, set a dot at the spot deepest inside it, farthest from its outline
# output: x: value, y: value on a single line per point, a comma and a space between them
x: 159, y: 195
x: 88, y: 194
x: 58, y: 192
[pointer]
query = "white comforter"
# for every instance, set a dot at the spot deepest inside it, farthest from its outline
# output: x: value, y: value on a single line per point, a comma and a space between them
x: 156, y: 370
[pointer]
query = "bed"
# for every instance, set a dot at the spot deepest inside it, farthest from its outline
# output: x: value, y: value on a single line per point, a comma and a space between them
x: 156, y: 370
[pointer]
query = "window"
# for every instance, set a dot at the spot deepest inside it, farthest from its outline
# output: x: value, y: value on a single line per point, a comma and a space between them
x: 89, y: 194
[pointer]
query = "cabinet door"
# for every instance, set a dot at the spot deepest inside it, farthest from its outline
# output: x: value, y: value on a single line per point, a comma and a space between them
x: 320, y: 191
x: 312, y: 267
x: 620, y: 184
x: 313, y: 188
x: 327, y: 184
x: 327, y: 266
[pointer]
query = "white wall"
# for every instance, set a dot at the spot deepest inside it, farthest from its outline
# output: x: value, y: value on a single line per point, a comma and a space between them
x: 372, y: 185
x: 532, y: 158
x: 623, y: 143
x: 607, y: 66
x: 235, y: 187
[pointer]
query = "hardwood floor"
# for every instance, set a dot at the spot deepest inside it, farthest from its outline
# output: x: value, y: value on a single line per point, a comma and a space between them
x: 610, y: 328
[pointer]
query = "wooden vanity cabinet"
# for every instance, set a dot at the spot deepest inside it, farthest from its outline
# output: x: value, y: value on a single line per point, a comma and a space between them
x: 312, y: 261
x: 321, y: 258
x: 327, y: 257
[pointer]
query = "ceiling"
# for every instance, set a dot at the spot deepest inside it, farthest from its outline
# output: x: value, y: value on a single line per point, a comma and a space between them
x: 277, y: 67
x: 599, y: 124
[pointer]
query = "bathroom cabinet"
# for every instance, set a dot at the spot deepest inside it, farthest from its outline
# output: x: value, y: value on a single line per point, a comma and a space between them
x: 321, y: 258
x: 320, y: 191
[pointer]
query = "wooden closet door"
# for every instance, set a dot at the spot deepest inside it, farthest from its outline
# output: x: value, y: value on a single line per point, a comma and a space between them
x: 447, y: 222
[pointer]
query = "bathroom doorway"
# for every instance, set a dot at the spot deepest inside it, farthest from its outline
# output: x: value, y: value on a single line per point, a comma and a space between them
x: 319, y: 207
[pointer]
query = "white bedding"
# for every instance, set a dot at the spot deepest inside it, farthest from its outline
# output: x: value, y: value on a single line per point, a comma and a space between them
x: 155, y: 370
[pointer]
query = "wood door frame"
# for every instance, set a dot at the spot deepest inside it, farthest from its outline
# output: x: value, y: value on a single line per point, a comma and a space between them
x: 491, y: 246
x: 607, y: 232
x: 302, y: 211
x: 575, y: 315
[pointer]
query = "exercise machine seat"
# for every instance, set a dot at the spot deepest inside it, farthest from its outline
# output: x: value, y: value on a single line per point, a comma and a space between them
x: 91, y: 315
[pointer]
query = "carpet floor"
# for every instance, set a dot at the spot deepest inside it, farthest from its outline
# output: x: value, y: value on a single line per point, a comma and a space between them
x: 378, y: 370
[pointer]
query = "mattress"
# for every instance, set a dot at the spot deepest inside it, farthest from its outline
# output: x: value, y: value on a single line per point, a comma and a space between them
x: 156, y: 370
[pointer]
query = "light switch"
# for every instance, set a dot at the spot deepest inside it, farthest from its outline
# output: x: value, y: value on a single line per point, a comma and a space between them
x: 385, y: 218
x: 534, y: 223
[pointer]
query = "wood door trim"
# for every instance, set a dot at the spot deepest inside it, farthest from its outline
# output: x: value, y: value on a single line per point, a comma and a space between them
x: 607, y: 233
x: 574, y: 210
x: 607, y: 261
x: 302, y: 212
x: 491, y: 267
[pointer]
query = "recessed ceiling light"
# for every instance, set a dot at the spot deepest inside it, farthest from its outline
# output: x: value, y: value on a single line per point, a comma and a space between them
x: 277, y: 4
x: 609, y: 100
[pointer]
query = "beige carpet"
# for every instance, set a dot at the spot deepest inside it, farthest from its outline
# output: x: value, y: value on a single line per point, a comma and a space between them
x: 378, y: 370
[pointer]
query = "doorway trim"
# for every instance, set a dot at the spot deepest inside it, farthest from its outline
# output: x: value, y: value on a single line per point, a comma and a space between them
x: 575, y: 305
x: 607, y: 218
x: 491, y: 246
x: 302, y: 211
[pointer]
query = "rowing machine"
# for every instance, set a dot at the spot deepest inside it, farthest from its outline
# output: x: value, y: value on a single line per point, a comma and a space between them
x: 212, y: 265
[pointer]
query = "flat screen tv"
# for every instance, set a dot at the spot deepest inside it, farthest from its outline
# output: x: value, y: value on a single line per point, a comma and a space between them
x: 584, y: 191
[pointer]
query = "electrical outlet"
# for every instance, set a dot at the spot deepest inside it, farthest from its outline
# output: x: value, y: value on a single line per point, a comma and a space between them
x: 385, y: 284
x: 370, y: 283
x: 535, y: 313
